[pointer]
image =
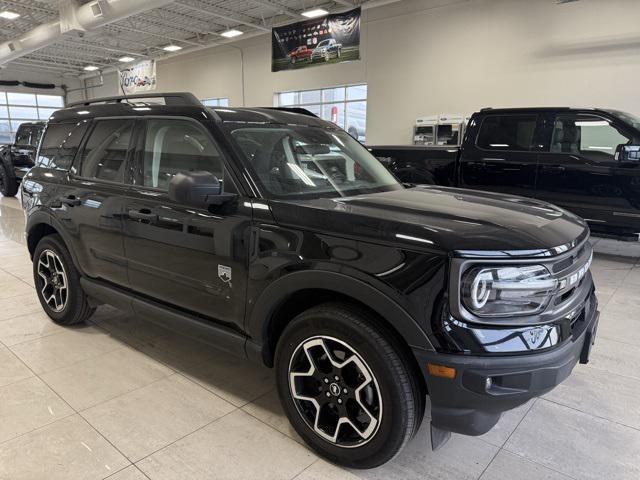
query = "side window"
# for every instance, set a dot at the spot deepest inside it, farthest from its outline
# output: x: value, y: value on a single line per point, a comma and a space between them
x: 588, y: 136
x: 106, y: 149
x: 173, y: 146
x: 23, y: 136
x: 507, y: 132
x: 60, y: 144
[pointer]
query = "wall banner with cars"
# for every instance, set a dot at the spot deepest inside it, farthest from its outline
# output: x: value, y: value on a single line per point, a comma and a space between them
x: 140, y: 77
x: 330, y: 39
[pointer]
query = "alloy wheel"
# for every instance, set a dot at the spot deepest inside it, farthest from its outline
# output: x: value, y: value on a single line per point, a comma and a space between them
x: 54, y: 288
x: 335, y: 391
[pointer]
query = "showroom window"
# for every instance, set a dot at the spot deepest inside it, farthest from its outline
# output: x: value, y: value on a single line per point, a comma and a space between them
x: 215, y: 102
x: 345, y: 106
x: 18, y: 107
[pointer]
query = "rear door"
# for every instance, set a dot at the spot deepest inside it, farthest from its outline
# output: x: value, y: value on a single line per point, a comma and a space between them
x: 500, y: 154
x: 190, y: 257
x: 94, y: 197
x: 580, y: 171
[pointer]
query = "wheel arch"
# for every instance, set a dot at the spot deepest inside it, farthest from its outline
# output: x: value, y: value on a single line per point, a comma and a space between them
x: 290, y: 295
x: 41, y: 224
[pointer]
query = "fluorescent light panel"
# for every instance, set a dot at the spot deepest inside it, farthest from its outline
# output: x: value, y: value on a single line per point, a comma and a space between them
x: 231, y: 33
x: 172, y: 48
x: 316, y: 12
x: 126, y: 59
x: 9, y: 15
x: 91, y: 68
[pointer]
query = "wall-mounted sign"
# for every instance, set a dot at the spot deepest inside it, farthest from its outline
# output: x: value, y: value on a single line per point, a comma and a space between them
x: 320, y: 41
x: 137, y: 78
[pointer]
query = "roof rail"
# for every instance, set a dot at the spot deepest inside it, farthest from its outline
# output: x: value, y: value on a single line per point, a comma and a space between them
x: 300, y: 110
x: 177, y: 98
x: 485, y: 109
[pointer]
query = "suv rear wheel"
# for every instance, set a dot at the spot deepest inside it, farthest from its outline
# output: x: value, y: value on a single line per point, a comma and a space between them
x: 57, y: 283
x: 345, y: 388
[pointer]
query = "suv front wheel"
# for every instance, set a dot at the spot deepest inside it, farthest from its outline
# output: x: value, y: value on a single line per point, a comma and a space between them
x: 57, y: 283
x: 345, y: 388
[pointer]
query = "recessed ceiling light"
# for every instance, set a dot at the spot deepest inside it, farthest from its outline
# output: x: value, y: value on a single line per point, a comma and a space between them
x: 172, y: 48
x: 231, y: 33
x: 316, y: 12
x: 126, y: 59
x: 9, y: 15
x: 91, y: 68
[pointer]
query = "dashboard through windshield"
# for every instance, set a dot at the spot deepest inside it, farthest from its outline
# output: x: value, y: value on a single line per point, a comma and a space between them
x: 307, y: 162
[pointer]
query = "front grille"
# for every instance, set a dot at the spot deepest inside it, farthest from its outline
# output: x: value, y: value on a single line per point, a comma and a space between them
x: 571, y: 272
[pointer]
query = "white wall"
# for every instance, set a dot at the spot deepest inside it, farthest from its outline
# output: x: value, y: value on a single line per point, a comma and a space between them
x: 432, y: 56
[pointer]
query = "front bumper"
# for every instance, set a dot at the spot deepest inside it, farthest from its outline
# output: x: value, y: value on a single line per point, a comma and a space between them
x: 470, y: 404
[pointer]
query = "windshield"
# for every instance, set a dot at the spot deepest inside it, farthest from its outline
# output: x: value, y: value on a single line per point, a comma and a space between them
x: 627, y: 117
x: 307, y: 162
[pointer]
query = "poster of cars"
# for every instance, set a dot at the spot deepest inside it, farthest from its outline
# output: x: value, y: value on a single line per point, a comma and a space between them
x: 330, y: 39
x: 140, y: 77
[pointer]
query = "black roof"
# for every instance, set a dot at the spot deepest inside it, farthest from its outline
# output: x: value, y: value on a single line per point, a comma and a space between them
x: 184, y: 104
x: 537, y: 109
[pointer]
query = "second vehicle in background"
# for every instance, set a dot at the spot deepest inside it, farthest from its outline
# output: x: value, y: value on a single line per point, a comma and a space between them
x: 585, y: 160
x: 16, y: 159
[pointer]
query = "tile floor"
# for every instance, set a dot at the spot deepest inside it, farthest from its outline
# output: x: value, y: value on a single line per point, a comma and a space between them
x: 126, y: 400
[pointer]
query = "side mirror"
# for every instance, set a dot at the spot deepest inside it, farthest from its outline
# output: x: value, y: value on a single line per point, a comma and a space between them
x: 198, y: 189
x: 628, y: 153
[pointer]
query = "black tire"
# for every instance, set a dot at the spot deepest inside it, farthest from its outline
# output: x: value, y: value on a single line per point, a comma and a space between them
x: 75, y: 308
x: 401, y: 399
x: 8, y: 182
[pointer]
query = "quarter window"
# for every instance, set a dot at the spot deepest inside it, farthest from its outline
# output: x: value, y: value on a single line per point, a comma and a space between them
x: 588, y: 136
x: 173, y: 146
x: 60, y: 144
x: 507, y: 132
x: 105, y: 152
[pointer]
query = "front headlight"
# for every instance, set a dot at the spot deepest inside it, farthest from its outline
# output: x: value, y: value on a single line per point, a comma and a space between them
x: 507, y: 291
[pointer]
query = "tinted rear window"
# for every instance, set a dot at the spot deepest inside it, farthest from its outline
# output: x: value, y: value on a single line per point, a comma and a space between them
x: 507, y: 132
x: 105, y: 151
x: 60, y: 144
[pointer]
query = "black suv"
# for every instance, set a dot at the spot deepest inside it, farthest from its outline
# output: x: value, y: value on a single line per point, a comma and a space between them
x: 17, y: 159
x: 278, y: 237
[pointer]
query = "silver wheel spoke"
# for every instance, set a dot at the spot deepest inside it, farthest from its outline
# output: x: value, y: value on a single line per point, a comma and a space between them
x: 51, y: 272
x: 330, y: 409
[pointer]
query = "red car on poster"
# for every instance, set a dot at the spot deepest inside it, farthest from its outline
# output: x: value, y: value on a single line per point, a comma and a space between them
x: 300, y: 53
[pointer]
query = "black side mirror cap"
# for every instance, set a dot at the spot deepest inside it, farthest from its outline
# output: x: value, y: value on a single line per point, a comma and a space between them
x: 198, y: 189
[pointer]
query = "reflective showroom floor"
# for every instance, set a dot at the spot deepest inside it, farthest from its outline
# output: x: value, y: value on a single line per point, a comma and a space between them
x: 124, y: 399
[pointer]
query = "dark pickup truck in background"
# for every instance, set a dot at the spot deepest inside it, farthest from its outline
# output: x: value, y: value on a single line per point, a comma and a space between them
x: 584, y: 160
x: 16, y: 159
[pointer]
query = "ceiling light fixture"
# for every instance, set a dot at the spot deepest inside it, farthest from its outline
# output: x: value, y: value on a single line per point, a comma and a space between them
x: 91, y: 68
x: 316, y: 12
x: 126, y: 59
x: 9, y: 15
x: 172, y: 48
x: 231, y: 33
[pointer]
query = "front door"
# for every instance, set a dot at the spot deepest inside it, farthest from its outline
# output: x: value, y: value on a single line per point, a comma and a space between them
x: 189, y: 257
x: 501, y: 155
x: 580, y: 171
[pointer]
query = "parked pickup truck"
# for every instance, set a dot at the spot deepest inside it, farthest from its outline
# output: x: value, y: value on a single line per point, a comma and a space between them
x: 584, y: 160
x: 17, y: 159
x: 300, y: 53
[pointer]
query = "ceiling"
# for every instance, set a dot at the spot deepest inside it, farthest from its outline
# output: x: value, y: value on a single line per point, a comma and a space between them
x: 190, y: 24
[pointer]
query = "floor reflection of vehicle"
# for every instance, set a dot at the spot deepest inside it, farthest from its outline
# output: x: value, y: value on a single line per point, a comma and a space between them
x: 585, y: 160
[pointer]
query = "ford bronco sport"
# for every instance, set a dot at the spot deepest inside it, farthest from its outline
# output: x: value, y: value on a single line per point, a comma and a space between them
x: 278, y: 237
x: 17, y: 159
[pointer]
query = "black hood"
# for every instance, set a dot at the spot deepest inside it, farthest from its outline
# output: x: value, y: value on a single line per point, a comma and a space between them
x: 447, y: 219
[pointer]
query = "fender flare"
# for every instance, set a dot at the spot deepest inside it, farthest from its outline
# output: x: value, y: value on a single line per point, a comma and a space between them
x: 41, y: 217
x: 277, y: 292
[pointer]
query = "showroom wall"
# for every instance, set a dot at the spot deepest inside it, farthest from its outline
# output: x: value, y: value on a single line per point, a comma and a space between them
x: 425, y: 57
